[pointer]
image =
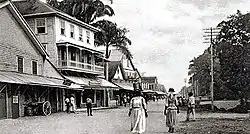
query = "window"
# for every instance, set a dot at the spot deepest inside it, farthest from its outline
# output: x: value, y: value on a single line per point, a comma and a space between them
x: 62, y: 27
x: 127, y: 63
x: 80, y: 34
x: 88, y: 37
x: 41, y: 25
x: 72, y: 29
x: 20, y: 64
x: 34, y: 67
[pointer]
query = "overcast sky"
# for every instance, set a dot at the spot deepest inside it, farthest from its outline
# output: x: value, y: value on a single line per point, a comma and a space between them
x: 167, y: 34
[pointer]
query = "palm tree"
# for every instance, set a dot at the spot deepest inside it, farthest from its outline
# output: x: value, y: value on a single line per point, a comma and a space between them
x: 84, y: 10
x: 112, y: 36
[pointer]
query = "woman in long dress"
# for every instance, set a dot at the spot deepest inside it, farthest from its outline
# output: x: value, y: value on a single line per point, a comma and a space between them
x: 170, y: 110
x: 138, y: 113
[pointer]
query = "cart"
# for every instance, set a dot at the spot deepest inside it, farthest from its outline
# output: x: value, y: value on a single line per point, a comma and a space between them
x: 38, y: 108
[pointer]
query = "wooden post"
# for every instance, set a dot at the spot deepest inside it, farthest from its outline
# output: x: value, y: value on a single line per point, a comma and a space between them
x: 7, y: 101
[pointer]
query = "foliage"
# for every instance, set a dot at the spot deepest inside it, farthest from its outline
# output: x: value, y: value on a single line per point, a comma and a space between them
x: 232, y: 50
x: 111, y: 35
x: 84, y: 10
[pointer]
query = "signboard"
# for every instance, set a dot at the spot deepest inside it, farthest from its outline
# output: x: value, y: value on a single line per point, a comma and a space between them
x: 15, y: 99
x: 94, y: 83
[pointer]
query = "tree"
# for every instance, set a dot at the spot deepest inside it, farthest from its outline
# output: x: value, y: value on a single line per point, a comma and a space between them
x: 199, y: 69
x: 84, y: 10
x: 111, y: 35
x: 232, y: 48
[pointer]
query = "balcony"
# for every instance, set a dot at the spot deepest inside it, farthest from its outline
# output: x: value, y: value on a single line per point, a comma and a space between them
x: 81, y: 67
x: 79, y: 59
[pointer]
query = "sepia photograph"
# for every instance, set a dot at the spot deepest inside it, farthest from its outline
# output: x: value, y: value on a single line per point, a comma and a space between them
x: 124, y: 66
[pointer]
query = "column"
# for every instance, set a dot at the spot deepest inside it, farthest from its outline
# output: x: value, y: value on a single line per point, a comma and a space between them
x: 67, y: 55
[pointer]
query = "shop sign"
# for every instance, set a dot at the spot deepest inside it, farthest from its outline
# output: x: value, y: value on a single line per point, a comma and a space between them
x: 94, y: 83
x: 15, y: 99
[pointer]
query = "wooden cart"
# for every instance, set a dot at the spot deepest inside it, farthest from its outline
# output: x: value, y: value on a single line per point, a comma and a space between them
x: 38, y: 108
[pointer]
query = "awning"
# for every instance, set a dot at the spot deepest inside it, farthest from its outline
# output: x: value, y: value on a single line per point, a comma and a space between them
x: 148, y: 91
x: 28, y: 79
x: 125, y: 85
x: 94, y: 83
x: 160, y: 93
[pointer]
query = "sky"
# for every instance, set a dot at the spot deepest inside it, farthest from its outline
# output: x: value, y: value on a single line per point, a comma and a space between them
x: 167, y: 34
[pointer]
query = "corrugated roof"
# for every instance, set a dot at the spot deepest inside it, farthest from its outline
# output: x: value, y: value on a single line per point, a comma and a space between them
x: 85, y: 82
x: 115, y: 55
x: 27, y: 79
x: 125, y: 85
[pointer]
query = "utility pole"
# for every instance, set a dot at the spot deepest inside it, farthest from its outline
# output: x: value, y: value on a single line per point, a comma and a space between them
x: 209, y: 36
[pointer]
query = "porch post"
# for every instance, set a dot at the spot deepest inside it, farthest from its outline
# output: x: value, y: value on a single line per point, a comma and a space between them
x: 67, y: 55
x: 7, y: 101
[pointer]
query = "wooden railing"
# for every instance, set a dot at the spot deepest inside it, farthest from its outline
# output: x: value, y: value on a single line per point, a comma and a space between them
x: 80, y: 65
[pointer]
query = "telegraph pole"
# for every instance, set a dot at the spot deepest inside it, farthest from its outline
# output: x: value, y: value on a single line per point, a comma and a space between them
x: 209, y: 36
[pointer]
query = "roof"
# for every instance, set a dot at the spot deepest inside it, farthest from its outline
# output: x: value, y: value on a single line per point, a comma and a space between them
x: 21, y: 21
x: 113, y: 66
x: 125, y: 85
x: 151, y: 79
x: 115, y: 55
x: 39, y: 8
x: 97, y: 83
x: 28, y: 79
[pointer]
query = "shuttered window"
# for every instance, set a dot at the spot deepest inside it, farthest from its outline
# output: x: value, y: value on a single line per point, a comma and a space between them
x: 20, y: 64
x: 34, y: 67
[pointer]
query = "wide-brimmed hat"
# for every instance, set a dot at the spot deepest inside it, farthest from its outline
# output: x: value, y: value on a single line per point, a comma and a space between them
x: 171, y: 90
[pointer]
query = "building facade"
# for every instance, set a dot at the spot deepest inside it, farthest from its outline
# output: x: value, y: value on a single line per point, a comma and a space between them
x: 26, y: 73
x: 70, y: 46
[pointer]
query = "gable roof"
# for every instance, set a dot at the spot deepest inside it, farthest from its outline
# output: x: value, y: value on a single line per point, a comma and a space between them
x: 113, y: 67
x: 38, y: 8
x: 25, y: 27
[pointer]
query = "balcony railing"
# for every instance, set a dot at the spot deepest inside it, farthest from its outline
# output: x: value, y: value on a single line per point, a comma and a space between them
x: 85, y: 67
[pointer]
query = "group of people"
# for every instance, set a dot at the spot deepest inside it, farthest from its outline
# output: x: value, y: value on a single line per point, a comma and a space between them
x: 70, y: 104
x: 138, y: 111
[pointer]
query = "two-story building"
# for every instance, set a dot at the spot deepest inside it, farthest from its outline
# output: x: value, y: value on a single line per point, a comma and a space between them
x: 26, y: 73
x: 70, y: 46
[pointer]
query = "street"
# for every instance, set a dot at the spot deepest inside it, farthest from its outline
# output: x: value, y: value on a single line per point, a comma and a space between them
x: 113, y: 121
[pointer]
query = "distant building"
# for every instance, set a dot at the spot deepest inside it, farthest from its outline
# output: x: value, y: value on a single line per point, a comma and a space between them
x: 149, y: 83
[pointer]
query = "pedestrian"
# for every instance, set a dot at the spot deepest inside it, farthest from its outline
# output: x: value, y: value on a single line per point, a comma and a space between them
x: 191, y: 106
x: 72, y: 104
x: 125, y: 100
x: 138, y: 113
x: 67, y: 102
x: 171, y: 110
x: 89, y: 106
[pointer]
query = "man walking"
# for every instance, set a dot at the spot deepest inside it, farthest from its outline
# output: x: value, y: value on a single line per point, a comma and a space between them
x: 191, y: 106
x: 89, y: 106
x: 67, y: 102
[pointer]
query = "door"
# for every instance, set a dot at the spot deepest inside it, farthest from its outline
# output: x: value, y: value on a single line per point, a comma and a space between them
x: 15, y: 106
x: 2, y: 105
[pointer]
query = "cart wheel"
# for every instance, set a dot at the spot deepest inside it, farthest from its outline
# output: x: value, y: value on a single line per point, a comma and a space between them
x: 46, y: 108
